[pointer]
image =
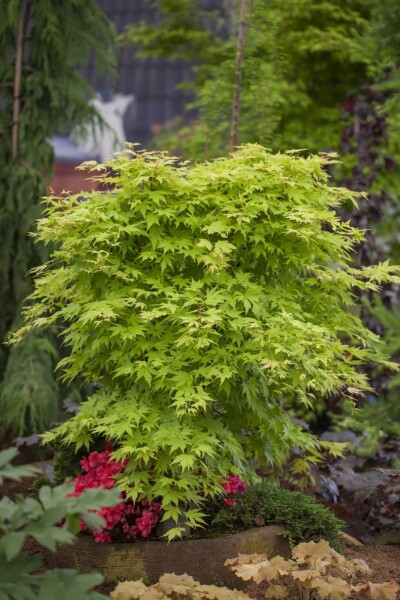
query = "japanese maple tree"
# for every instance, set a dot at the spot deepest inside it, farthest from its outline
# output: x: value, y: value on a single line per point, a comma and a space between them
x: 205, y: 301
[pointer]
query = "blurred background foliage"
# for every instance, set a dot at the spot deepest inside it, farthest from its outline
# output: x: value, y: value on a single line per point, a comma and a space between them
x: 318, y: 75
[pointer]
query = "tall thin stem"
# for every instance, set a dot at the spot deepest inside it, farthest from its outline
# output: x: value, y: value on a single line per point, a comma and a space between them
x: 238, y: 75
x: 17, y: 80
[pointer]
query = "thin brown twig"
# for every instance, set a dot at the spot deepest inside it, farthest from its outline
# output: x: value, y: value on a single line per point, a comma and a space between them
x: 17, y: 80
x: 238, y: 76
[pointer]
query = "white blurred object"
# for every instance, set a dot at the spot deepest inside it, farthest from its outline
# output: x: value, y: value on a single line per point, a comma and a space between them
x: 101, y: 141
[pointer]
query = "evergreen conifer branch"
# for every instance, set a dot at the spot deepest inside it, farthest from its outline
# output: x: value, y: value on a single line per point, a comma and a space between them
x: 42, y: 93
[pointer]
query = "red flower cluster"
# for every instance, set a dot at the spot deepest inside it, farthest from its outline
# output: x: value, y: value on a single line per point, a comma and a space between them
x: 132, y: 520
x: 126, y: 519
x: 233, y: 485
x: 100, y: 471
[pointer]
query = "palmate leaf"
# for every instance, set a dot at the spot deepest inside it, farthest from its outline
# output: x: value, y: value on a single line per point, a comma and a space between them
x: 11, y: 543
x: 59, y: 583
x: 40, y: 518
x: 62, y: 584
x: 14, y: 577
x: 174, y: 532
x: 311, y: 553
x: 384, y: 591
x: 274, y: 592
x: 334, y: 588
x: 28, y: 517
x: 7, y: 471
x: 57, y: 506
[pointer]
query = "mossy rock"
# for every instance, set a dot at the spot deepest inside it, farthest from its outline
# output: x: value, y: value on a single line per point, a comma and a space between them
x: 303, y: 518
x: 202, y: 558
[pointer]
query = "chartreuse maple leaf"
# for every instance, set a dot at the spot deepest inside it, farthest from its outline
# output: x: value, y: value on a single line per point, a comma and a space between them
x: 205, y: 301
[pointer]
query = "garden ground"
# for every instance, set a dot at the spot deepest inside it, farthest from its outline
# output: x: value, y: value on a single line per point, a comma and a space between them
x: 384, y: 560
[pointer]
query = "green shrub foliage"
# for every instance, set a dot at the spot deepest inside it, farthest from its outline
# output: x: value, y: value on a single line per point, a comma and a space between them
x: 205, y: 300
x: 39, y: 519
x: 303, y: 517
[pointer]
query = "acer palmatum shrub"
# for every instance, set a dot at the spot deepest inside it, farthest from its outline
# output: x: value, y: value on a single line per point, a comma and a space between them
x: 204, y: 301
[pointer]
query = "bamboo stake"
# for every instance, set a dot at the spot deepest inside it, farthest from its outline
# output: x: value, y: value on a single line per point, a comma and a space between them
x: 17, y: 81
x: 238, y: 76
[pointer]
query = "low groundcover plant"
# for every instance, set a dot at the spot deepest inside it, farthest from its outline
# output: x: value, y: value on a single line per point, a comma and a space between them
x: 204, y: 301
x: 131, y: 520
x: 315, y: 572
x: 318, y: 572
x: 303, y: 518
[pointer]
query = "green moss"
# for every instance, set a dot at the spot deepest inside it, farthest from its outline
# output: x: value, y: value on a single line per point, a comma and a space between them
x: 39, y: 483
x: 302, y: 516
x: 67, y: 461
x: 67, y: 464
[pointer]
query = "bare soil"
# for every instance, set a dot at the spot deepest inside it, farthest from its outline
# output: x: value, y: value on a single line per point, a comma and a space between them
x: 383, y: 560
